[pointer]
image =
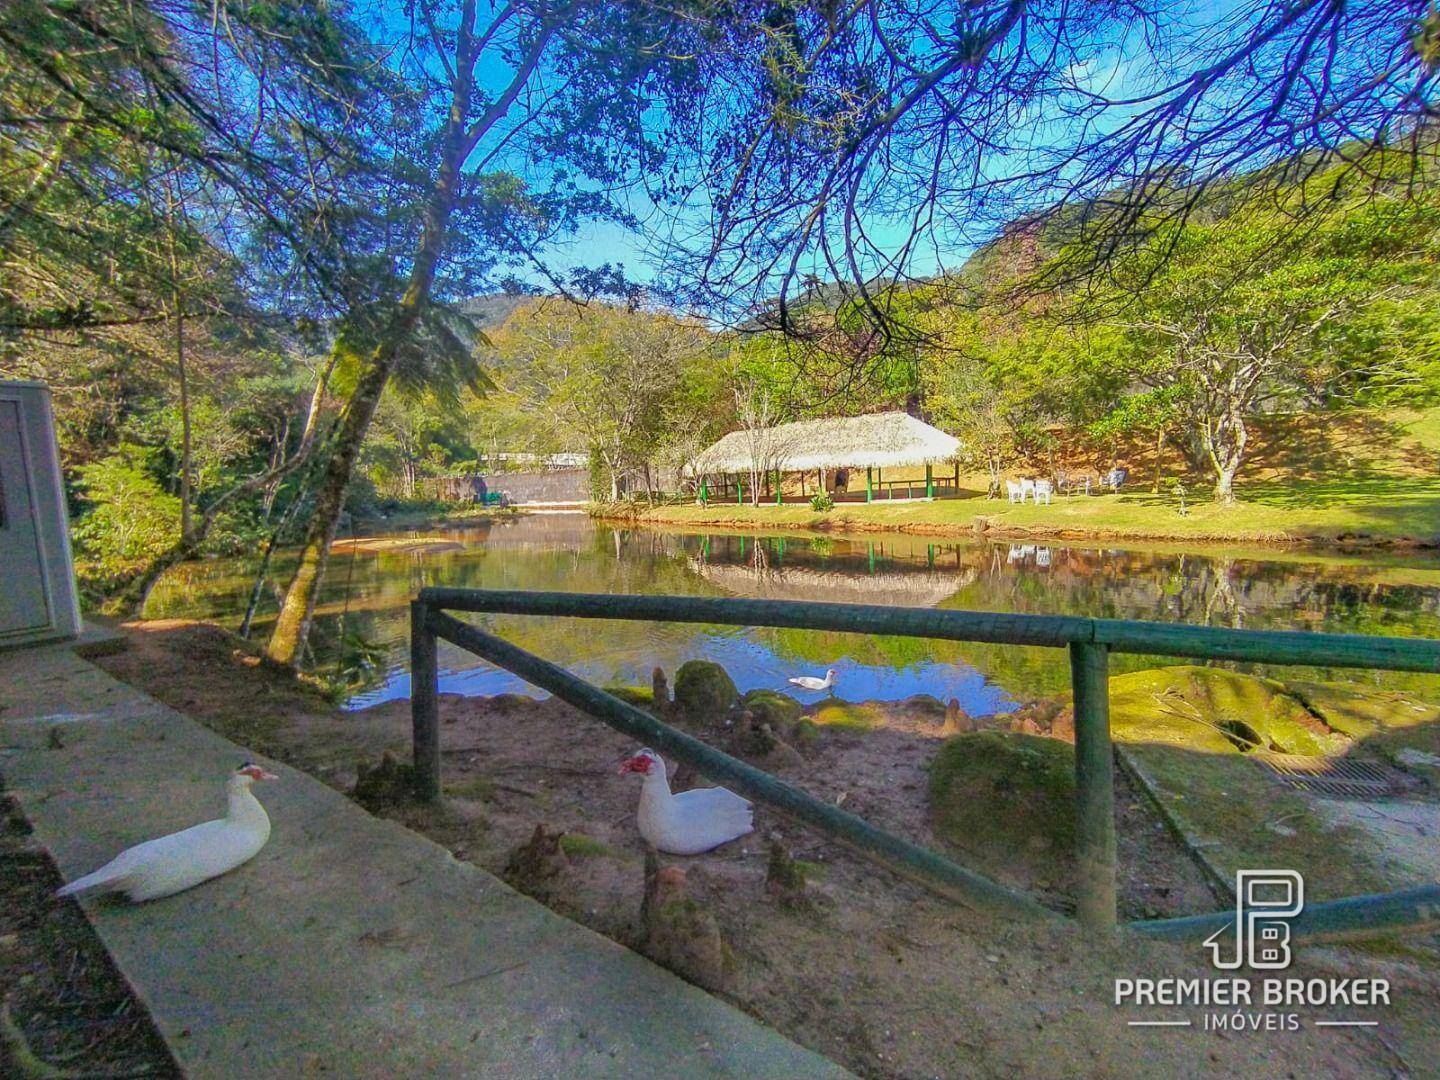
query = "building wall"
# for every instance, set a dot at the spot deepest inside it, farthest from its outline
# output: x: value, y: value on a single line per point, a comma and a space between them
x: 520, y: 488
x: 39, y: 599
x: 547, y: 486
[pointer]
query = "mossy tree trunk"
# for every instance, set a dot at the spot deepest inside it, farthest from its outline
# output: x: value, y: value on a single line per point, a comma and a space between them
x: 458, y: 140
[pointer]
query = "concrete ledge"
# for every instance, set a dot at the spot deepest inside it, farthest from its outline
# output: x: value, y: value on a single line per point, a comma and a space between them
x: 349, y: 946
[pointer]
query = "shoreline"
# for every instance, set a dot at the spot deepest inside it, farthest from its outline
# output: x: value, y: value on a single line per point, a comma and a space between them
x: 983, y: 526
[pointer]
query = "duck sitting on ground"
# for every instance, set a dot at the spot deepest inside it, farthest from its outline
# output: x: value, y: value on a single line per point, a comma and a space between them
x: 690, y: 822
x: 170, y: 864
x: 809, y: 682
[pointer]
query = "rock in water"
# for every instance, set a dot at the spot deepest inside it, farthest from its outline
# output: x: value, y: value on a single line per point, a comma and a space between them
x: 539, y: 867
x: 704, y: 691
x: 679, y: 932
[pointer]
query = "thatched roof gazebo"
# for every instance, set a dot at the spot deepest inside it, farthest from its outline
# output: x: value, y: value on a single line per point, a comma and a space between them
x: 875, y: 442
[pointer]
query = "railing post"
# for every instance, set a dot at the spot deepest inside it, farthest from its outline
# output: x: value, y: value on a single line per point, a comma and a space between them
x: 424, y: 703
x: 1095, y: 787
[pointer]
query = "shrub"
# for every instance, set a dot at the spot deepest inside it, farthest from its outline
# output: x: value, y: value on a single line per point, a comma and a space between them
x: 822, y: 503
x: 704, y: 690
x: 126, y: 516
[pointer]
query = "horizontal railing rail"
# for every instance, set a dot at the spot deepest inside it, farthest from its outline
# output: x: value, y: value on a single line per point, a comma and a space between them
x: 1300, y: 648
x: 1089, y: 642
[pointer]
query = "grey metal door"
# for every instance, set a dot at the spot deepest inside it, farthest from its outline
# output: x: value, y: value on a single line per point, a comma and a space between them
x: 24, y: 599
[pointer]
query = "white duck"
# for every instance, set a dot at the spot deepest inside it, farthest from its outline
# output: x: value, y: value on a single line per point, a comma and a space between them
x: 690, y: 822
x: 809, y: 682
x: 169, y: 864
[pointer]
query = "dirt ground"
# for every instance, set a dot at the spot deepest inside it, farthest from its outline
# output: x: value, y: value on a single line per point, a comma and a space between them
x: 65, y: 1011
x: 871, y: 970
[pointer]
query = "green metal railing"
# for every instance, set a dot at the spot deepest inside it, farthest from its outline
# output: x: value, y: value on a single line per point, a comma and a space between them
x: 1089, y: 642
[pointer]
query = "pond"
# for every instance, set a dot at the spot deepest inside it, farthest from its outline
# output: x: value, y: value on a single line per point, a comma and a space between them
x: 360, y: 641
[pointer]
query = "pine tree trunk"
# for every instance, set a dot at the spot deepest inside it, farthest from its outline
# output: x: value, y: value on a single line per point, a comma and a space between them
x: 186, y: 453
x: 292, y: 626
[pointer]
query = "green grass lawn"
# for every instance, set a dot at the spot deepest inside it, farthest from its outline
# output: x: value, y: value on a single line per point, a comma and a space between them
x: 1374, y: 509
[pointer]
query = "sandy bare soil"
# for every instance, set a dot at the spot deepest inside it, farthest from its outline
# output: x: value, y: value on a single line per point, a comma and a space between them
x: 869, y: 969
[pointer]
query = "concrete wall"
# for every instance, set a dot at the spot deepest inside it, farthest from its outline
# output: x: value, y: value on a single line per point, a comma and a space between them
x: 547, y: 486
x: 520, y: 488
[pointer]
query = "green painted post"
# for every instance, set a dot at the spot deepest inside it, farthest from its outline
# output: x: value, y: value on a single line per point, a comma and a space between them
x: 424, y: 702
x: 704, y: 491
x: 739, y: 492
x: 872, y: 557
x: 869, y: 484
x: 1095, y: 787
x: 929, y: 483
x: 777, y: 487
x: 930, y: 555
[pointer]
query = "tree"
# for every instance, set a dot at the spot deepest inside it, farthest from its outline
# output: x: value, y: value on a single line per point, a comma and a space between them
x: 1250, y: 312
x: 765, y: 448
x: 610, y: 377
x: 864, y: 143
x: 967, y: 401
x: 201, y: 171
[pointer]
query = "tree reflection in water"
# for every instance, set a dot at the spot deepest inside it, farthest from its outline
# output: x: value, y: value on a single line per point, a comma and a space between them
x: 1393, y: 594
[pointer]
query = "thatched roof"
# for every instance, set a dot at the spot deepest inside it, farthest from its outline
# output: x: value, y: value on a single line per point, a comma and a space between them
x: 881, y: 440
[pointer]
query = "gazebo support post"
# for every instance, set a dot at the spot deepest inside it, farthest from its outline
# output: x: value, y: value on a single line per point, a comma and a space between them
x: 739, y: 492
x: 779, y: 494
x: 704, y: 491
x: 929, y: 483
x: 869, y: 484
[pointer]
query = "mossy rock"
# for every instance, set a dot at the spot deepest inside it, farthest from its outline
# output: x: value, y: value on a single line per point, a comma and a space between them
x: 1006, y: 801
x: 1212, y: 710
x: 1361, y: 711
x: 704, y: 690
x: 641, y: 696
x: 846, y: 716
x: 773, y: 708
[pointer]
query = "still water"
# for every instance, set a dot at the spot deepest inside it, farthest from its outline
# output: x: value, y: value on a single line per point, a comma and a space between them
x: 360, y: 642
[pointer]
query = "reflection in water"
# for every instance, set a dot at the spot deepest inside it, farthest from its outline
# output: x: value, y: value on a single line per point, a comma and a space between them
x: 362, y: 611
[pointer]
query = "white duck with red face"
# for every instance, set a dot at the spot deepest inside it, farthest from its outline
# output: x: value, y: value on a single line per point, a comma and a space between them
x: 690, y: 822
x: 170, y: 864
